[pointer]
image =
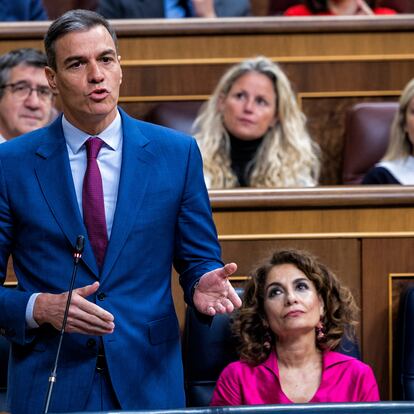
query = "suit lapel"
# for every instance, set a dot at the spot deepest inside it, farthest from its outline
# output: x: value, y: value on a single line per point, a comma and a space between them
x: 55, y: 178
x: 135, y: 172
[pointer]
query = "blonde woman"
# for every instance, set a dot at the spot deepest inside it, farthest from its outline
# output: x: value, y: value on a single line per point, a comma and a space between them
x: 252, y: 133
x: 397, y: 165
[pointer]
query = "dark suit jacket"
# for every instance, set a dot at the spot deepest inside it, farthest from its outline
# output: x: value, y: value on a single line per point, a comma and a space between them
x: 162, y: 217
x: 21, y: 10
x: 137, y: 9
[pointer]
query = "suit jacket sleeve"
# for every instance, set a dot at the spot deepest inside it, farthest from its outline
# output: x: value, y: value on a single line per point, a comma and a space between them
x: 12, y: 301
x: 197, y: 250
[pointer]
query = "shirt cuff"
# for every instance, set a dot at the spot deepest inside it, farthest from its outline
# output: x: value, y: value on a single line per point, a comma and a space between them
x: 31, y: 323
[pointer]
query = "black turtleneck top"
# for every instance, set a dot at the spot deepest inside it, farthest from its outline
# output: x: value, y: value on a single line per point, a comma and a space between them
x: 241, y: 153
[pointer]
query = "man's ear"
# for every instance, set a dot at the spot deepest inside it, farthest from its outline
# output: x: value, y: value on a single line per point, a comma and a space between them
x: 119, y: 60
x: 51, y: 78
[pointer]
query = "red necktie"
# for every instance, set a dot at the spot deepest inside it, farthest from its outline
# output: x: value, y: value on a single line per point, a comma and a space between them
x: 93, y: 202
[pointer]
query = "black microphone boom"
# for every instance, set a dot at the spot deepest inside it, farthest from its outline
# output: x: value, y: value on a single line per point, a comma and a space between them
x: 77, y: 254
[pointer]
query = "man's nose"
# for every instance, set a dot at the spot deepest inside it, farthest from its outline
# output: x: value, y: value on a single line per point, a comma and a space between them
x: 32, y: 99
x: 95, y: 73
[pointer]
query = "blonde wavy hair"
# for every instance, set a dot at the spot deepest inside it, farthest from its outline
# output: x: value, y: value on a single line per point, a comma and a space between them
x: 400, y: 145
x: 251, y: 326
x: 287, y: 157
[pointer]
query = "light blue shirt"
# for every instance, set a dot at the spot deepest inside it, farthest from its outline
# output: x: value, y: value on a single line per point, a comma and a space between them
x: 109, y: 162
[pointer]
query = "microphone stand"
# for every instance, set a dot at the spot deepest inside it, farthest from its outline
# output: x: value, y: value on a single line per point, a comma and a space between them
x: 77, y: 254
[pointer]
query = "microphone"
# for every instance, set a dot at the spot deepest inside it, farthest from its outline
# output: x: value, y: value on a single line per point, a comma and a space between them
x: 77, y: 254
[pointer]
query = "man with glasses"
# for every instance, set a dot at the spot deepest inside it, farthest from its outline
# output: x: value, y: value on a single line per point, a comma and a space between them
x: 26, y: 101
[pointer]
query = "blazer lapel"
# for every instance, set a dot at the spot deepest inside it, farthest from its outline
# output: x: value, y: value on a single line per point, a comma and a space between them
x: 135, y: 171
x: 55, y: 178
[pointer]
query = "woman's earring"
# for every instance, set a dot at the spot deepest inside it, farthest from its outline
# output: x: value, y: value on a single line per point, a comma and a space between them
x: 320, y: 331
x: 267, y: 338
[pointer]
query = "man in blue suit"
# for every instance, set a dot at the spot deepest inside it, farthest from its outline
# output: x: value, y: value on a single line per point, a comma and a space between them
x: 122, y: 350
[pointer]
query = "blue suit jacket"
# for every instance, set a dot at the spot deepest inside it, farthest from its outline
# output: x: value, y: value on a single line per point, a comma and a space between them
x: 162, y: 217
x: 21, y: 10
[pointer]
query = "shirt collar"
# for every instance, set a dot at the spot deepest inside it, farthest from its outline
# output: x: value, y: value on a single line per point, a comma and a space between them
x: 329, y: 359
x: 75, y: 138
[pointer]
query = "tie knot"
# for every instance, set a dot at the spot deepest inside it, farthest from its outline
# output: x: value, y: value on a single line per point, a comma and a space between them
x: 93, y: 146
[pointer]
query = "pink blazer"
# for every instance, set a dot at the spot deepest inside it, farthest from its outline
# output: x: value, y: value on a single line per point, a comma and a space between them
x: 344, y: 379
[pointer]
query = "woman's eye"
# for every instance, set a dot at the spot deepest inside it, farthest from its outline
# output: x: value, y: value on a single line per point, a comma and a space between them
x: 274, y: 292
x: 302, y: 286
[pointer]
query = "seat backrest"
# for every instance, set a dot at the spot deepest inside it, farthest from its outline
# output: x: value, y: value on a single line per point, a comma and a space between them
x: 367, y: 130
x: 176, y: 115
x: 209, y: 348
x: 403, y: 358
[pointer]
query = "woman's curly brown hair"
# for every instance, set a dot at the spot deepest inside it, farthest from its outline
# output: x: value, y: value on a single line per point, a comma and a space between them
x: 251, y: 325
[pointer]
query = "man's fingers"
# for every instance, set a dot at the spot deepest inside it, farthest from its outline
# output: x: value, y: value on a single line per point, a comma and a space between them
x: 222, y: 305
x: 234, y: 298
x: 227, y: 270
x: 89, y: 327
x: 82, y: 306
x: 86, y: 317
x: 87, y: 290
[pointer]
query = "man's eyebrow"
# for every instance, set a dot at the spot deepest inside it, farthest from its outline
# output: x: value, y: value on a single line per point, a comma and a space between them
x: 72, y: 59
x: 80, y: 57
x: 108, y: 52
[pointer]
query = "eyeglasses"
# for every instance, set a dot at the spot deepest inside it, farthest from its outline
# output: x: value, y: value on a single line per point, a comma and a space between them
x: 22, y: 90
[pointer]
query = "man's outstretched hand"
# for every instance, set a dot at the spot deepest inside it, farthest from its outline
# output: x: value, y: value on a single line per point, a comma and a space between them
x: 215, y: 294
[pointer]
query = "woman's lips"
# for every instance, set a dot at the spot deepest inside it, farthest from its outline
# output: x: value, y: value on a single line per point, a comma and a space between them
x: 293, y: 314
x: 246, y: 121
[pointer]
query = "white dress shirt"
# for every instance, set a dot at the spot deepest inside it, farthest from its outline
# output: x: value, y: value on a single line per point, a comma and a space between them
x: 109, y: 161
